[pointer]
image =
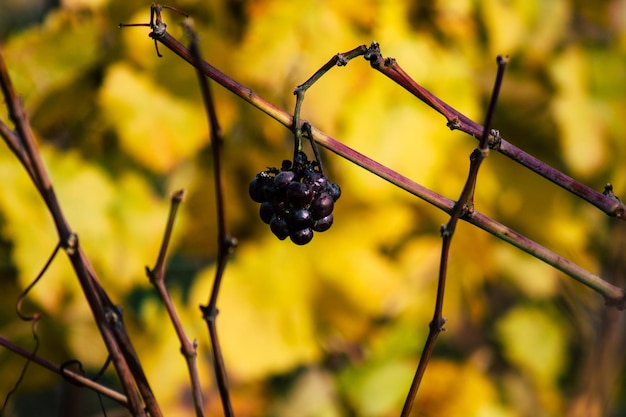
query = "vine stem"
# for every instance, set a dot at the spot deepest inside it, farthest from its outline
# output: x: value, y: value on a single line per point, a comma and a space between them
x: 68, y: 374
x: 613, y: 295
x: 457, y: 120
x: 107, y: 316
x: 463, y: 207
x: 225, y: 243
x: 340, y: 60
x: 156, y: 276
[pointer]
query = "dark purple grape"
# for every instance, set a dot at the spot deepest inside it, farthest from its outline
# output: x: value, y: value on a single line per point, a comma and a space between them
x: 302, y: 237
x: 322, y: 206
x: 267, y: 211
x: 279, y: 227
x: 284, y: 178
x: 323, y: 224
x: 315, y: 179
x: 257, y: 188
x: 333, y: 190
x: 297, y: 200
x: 299, y: 219
x: 299, y: 194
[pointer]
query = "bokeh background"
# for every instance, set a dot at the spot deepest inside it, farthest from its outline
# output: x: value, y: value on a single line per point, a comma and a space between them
x: 334, y: 328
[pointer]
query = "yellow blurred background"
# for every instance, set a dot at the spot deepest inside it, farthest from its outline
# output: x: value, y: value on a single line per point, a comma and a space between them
x: 336, y: 327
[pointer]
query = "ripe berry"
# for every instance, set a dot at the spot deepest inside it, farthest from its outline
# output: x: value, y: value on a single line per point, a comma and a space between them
x: 279, y: 227
x: 302, y: 237
x: 299, y: 194
x: 316, y: 180
x: 322, y: 206
x: 257, y: 187
x: 266, y: 211
x: 334, y: 190
x: 323, y: 224
x: 284, y: 178
x: 299, y: 219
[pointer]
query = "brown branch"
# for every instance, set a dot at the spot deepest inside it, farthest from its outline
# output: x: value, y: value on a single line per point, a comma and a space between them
x: 457, y: 120
x: 72, y: 376
x: 225, y: 243
x: 463, y: 207
x: 157, y: 278
x: 106, y: 315
x: 613, y: 295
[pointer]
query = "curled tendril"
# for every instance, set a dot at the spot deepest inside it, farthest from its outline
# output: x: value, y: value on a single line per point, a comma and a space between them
x: 34, y: 318
x: 22, y: 297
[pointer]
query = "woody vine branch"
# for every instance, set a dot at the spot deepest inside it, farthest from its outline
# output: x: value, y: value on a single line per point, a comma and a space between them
x: 614, y: 295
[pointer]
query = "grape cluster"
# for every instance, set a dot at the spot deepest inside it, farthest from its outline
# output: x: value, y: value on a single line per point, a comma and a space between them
x: 296, y: 200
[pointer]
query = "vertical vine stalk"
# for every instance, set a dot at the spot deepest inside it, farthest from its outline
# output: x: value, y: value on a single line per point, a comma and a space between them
x: 464, y: 207
x: 225, y: 243
x: 157, y: 278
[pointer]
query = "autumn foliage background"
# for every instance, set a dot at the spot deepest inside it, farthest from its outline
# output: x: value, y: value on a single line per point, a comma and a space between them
x: 334, y: 328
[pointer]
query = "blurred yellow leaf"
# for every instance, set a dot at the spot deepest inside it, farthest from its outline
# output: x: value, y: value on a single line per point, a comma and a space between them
x: 313, y: 395
x: 451, y: 389
x: 378, y: 389
x: 84, y: 4
x: 268, y: 293
x: 534, y: 278
x: 155, y: 128
x: 517, y: 24
x: 579, y: 120
x: 282, y: 36
x: 356, y: 278
x: 52, y: 56
x: 119, y: 228
x: 535, y: 341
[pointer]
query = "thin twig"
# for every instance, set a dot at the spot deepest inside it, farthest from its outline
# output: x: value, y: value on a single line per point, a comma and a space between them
x: 72, y: 376
x: 340, y: 60
x: 29, y: 358
x: 157, y: 278
x: 34, y: 318
x: 463, y: 207
x: 225, y: 243
x: 457, y: 120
